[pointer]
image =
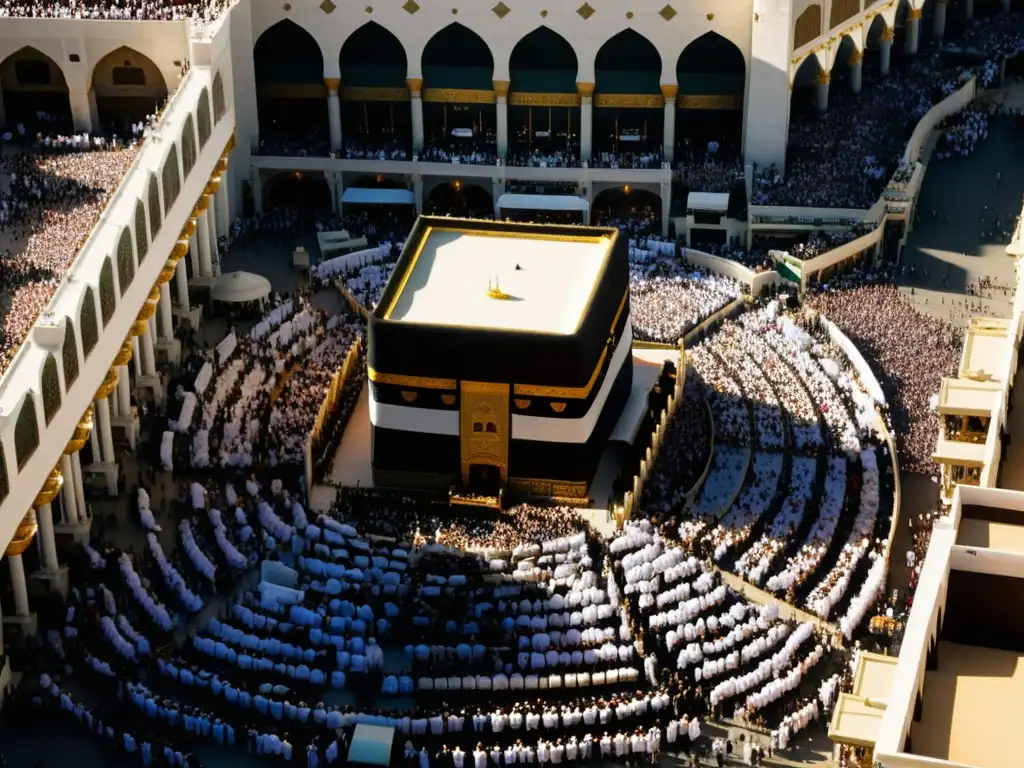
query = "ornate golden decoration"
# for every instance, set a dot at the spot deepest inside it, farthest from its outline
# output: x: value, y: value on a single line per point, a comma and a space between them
x: 856, y: 57
x: 418, y: 382
x: 328, y: 7
x: 54, y: 482
x: 553, y: 488
x: 212, y: 186
x: 629, y: 14
x: 720, y: 101
x: 822, y: 78
x: 147, y: 311
x: 522, y: 403
x: 190, y: 227
x: 81, y: 434
x: 501, y: 10
x: 557, y: 407
x: 167, y: 273
x: 585, y: 90
x: 139, y: 327
x: 229, y: 145
x: 888, y: 34
x: 409, y: 397
x: 629, y: 100
x: 458, y: 96
x: 668, y: 13
x: 179, y: 251
x: 494, y: 291
x: 711, y: 17
x: 484, y: 426
x: 23, y: 535
x: 154, y: 294
x: 124, y: 354
x: 500, y: 88
x: 333, y: 83
x: 543, y: 14
x: 201, y: 205
x: 108, y: 386
x: 543, y: 99
x: 411, y: 6
x: 221, y: 167
x: 914, y: 14
x: 669, y: 91
x: 585, y: 11
x: 448, y: 399
x: 361, y: 93
x: 414, y: 84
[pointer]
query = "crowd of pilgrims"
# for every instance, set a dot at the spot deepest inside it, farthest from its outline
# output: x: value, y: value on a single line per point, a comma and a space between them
x: 57, y: 188
x: 138, y: 10
x: 962, y: 133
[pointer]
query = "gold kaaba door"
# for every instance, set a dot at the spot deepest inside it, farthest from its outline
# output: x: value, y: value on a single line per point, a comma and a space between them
x: 484, y: 428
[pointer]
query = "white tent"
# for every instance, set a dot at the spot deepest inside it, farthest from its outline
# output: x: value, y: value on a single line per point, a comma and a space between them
x: 543, y: 203
x: 238, y: 287
x: 715, y: 202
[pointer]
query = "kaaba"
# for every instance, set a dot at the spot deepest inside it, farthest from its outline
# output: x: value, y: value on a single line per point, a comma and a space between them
x: 499, y: 357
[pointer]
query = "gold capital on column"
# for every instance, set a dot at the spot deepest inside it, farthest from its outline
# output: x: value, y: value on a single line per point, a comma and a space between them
x: 501, y: 88
x: 23, y: 535
x: 124, y: 354
x: 856, y: 57
x: 81, y: 434
x: 54, y: 482
x: 914, y: 14
x: 201, y: 205
x: 415, y: 85
x: 108, y: 386
x: 585, y: 90
x: 190, y: 226
x: 332, y: 83
x: 165, y: 276
x: 888, y: 34
x: 180, y: 250
x: 669, y: 91
x: 822, y: 78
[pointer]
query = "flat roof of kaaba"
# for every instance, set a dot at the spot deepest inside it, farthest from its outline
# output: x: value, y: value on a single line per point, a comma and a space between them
x: 546, y: 276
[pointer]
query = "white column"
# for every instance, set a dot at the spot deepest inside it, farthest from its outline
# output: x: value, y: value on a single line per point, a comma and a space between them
x: 193, y: 253
x: 115, y: 406
x: 501, y: 115
x: 70, y: 500
x: 166, y: 327
x: 44, y: 516
x: 856, y: 64
x: 18, y: 584
x: 885, y: 50
x: 83, y: 110
x: 416, y: 105
x: 76, y: 468
x: 181, y: 283
x: 586, y: 92
x: 211, y: 220
x: 223, y: 210
x: 939, y: 21
x: 136, y: 357
x: 668, y: 151
x: 148, y: 356
x: 106, y: 434
x: 334, y: 111
x: 203, y: 235
x: 94, y: 441
x: 913, y: 30
x: 124, y: 391
x: 821, y: 83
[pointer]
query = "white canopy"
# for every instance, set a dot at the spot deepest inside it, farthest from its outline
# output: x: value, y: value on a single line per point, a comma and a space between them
x: 236, y: 287
x: 378, y: 196
x: 543, y: 203
x: 708, y: 201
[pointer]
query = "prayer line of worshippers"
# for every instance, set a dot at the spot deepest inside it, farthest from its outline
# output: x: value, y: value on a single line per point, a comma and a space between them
x: 139, y: 10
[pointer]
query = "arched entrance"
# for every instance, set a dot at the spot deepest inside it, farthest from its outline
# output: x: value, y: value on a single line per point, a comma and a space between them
x: 629, y: 117
x: 544, y: 108
x: 711, y: 74
x: 621, y: 204
x: 458, y: 92
x: 128, y: 87
x: 35, y: 93
x: 290, y: 91
x: 803, y: 99
x: 462, y: 200
x: 380, y: 222
x: 305, y: 192
x: 376, y: 115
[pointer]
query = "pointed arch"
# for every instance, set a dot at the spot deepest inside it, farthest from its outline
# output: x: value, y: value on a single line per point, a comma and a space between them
x: 457, y: 57
x: 372, y: 56
x: 286, y: 54
x: 219, y: 103
x: 125, y: 261
x: 141, y: 243
x: 69, y: 355
x: 32, y: 82
x: 108, y: 301
x: 128, y: 87
x: 711, y: 76
x: 308, y: 191
x: 203, y: 123
x: 807, y: 26
x: 188, y: 147
x: 543, y: 62
x: 171, y: 178
x: 290, y: 90
x: 628, y: 63
x: 154, y: 206
x: 88, y: 322
x: 50, y: 387
x: 26, y: 431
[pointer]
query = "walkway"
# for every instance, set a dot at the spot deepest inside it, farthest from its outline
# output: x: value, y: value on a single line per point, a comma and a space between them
x: 787, y: 611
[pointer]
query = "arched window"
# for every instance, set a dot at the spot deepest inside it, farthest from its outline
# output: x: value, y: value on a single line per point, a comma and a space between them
x: 51, y: 389
x: 171, y: 179
x: 807, y: 26
x: 87, y: 322
x: 108, y: 302
x: 188, y: 146
x: 5, y: 485
x: 203, y: 118
x: 69, y: 355
x: 154, y: 206
x: 26, y: 431
x: 141, y: 244
x: 125, y: 261
x: 219, y: 105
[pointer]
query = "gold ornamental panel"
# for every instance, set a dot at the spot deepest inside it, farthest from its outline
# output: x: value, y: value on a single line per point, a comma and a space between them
x: 54, y: 482
x: 630, y: 100
x: 167, y: 273
x: 109, y: 384
x: 520, y: 99
x: 23, y: 535
x: 484, y: 426
x: 720, y: 101
x: 124, y: 354
x: 458, y: 96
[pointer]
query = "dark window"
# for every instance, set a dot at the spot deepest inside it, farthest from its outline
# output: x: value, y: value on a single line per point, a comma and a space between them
x: 154, y: 207
x: 125, y: 261
x: 26, y: 431
x: 203, y: 118
x: 87, y: 322
x: 69, y: 355
x: 219, y: 105
x: 141, y: 245
x: 32, y: 72
x: 492, y: 428
x: 171, y: 178
x: 188, y: 146
x: 129, y: 76
x: 51, y: 389
x: 107, y: 301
